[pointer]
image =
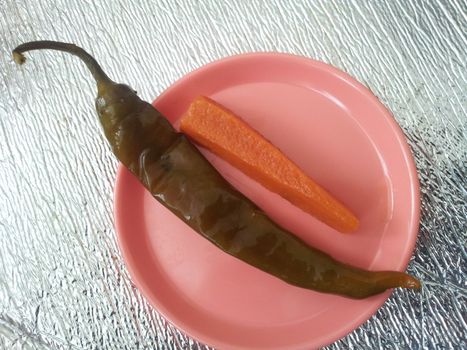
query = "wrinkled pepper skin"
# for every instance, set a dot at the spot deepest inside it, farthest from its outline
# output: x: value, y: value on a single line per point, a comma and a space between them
x: 180, y: 178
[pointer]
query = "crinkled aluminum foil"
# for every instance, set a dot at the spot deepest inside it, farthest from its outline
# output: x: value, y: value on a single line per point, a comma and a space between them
x: 63, y: 284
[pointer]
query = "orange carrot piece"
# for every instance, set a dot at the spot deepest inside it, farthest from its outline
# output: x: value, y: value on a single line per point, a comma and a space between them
x: 218, y: 129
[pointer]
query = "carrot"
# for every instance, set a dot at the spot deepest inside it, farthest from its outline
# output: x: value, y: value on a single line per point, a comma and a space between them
x: 218, y: 129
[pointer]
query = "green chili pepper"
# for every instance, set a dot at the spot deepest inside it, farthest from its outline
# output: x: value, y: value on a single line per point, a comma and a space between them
x: 180, y: 178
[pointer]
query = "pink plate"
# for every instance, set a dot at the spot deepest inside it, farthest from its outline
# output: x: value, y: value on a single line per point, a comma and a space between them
x: 339, y: 134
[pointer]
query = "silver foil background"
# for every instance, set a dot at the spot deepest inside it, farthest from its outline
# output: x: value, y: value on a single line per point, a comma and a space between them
x: 63, y: 284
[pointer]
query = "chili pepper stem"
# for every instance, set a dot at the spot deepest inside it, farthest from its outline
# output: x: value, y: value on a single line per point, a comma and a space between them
x: 94, y: 67
x: 18, y: 57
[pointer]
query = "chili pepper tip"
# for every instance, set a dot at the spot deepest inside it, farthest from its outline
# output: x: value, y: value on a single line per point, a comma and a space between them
x: 412, y: 283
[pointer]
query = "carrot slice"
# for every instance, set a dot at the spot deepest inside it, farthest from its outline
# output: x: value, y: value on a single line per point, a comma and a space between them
x: 218, y: 129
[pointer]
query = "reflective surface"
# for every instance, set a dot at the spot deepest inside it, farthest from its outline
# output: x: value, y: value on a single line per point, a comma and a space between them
x: 62, y: 280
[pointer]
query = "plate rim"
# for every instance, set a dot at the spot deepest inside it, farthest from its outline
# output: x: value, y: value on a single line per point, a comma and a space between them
x: 404, y: 149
